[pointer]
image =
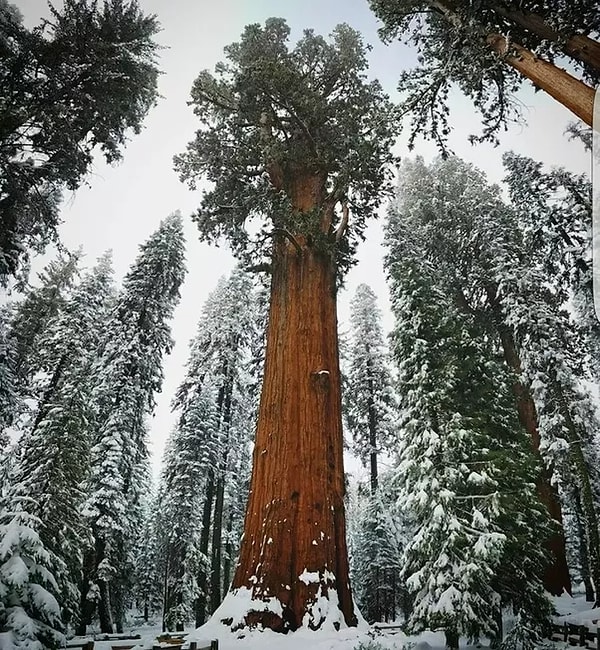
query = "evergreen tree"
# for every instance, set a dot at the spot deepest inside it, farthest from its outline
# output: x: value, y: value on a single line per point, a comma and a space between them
x: 53, y: 456
x: 29, y: 609
x: 206, y: 448
x: 128, y: 374
x: 377, y: 552
x: 82, y: 79
x: 488, y: 50
x: 465, y: 474
x: 476, y: 261
x: 369, y: 393
x: 296, y: 138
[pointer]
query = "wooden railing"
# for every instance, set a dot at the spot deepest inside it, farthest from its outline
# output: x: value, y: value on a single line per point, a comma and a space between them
x: 577, y: 635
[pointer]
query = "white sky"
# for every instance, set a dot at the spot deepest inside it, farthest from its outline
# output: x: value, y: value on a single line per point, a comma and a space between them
x: 122, y: 205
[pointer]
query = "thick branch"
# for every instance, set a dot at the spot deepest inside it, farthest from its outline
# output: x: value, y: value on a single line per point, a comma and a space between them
x: 569, y: 91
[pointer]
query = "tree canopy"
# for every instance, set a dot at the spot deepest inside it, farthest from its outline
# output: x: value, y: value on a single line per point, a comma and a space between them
x: 468, y: 44
x: 81, y: 80
x: 272, y: 116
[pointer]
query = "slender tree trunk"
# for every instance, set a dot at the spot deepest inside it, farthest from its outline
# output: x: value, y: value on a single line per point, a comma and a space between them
x: 452, y: 639
x: 584, y: 557
x: 556, y: 577
x: 294, y: 544
x: 204, y: 539
x: 558, y: 83
x: 372, y: 416
x: 86, y: 612
x: 228, y: 552
x: 215, y: 566
x: 166, y: 603
x: 104, y: 608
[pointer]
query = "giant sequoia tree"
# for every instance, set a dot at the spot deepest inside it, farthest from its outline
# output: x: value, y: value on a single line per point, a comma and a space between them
x: 297, y: 140
x: 487, y: 49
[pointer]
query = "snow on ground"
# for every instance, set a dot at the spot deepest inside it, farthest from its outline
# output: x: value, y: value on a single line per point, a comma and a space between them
x: 569, y: 610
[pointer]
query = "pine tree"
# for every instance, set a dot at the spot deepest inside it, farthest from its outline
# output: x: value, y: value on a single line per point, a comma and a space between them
x: 29, y: 609
x: 297, y: 138
x: 209, y: 442
x: 465, y: 474
x: 438, y: 216
x: 377, y: 552
x: 369, y: 393
x: 128, y: 374
x: 53, y: 457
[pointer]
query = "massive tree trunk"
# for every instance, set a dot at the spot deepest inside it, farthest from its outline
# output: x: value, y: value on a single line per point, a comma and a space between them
x: 293, y: 558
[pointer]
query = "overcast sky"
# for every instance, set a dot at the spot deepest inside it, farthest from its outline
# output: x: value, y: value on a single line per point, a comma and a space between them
x: 122, y: 205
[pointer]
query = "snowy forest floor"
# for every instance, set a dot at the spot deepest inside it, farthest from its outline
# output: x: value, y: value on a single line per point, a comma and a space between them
x: 569, y: 610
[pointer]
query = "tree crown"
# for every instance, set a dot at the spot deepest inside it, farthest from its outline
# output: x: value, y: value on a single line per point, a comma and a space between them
x: 288, y: 134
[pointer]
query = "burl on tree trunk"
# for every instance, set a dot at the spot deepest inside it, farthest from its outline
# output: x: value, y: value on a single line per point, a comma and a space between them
x: 293, y: 566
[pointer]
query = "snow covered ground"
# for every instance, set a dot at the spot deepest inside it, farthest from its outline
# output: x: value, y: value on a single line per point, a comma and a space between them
x: 569, y: 610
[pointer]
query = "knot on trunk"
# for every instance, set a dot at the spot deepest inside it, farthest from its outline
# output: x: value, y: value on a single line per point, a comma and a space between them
x: 320, y: 378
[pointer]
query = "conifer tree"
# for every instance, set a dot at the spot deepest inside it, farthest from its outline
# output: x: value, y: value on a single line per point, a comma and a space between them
x: 488, y: 50
x: 29, y: 609
x: 128, y: 374
x: 473, y: 258
x: 212, y: 433
x: 369, y: 393
x: 299, y: 140
x: 82, y: 79
x: 466, y: 475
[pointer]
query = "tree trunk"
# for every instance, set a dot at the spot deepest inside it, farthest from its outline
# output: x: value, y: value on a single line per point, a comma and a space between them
x: 556, y: 577
x: 215, y: 565
x: 577, y: 46
x: 372, y: 428
x: 104, y: 609
x: 228, y: 551
x: 583, y: 549
x: 294, y: 546
x: 204, y: 539
x: 559, y: 84
x: 452, y: 639
x: 87, y: 607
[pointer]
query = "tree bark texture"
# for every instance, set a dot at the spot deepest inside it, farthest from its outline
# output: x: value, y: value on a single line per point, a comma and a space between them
x: 558, y: 83
x: 577, y: 46
x: 556, y: 576
x: 294, y: 544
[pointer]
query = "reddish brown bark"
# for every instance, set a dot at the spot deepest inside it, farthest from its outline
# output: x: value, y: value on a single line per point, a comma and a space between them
x: 558, y: 83
x: 295, y: 520
x: 556, y: 577
x: 577, y: 46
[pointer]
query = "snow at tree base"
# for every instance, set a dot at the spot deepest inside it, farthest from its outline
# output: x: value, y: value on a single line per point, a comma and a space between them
x: 421, y: 476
